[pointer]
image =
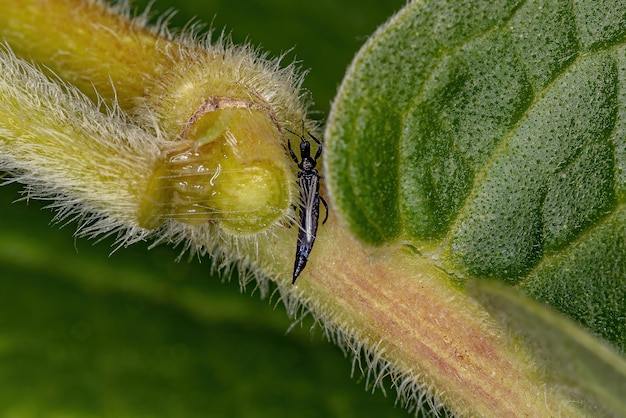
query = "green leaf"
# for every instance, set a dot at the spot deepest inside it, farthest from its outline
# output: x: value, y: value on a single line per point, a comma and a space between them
x: 578, y: 362
x: 492, y: 137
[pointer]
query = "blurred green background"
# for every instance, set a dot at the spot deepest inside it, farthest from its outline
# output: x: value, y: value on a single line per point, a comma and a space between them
x: 86, y: 333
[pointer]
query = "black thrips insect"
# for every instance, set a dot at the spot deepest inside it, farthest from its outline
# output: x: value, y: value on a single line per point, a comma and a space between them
x: 309, y: 182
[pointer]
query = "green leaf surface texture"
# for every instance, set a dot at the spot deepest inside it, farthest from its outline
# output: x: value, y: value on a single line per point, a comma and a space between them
x: 492, y: 137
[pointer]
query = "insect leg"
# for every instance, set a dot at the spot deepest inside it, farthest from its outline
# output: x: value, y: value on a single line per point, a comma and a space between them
x: 319, y: 149
x: 293, y: 155
x: 325, y: 206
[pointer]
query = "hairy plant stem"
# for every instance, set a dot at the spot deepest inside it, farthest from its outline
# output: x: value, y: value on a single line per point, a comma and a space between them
x: 404, y: 310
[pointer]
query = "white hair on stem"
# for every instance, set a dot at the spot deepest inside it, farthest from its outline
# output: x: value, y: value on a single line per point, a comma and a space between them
x: 93, y: 162
x: 57, y: 142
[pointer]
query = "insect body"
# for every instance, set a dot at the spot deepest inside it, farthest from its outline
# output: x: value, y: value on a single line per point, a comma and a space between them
x: 309, y: 182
